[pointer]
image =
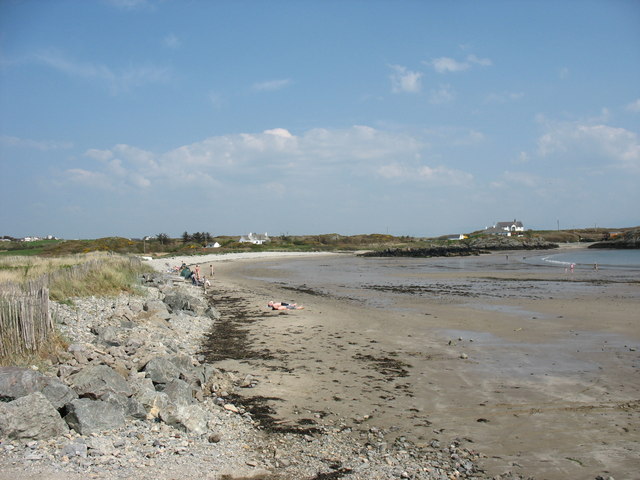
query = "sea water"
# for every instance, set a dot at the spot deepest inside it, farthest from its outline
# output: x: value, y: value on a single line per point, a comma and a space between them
x: 607, y: 258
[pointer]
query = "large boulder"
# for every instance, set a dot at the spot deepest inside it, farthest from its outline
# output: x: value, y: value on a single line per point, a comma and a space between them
x: 88, y: 416
x: 179, y: 299
x: 153, y: 402
x: 161, y: 370
x: 95, y: 381
x: 31, y: 417
x: 179, y: 392
x: 188, y: 418
x: 16, y: 382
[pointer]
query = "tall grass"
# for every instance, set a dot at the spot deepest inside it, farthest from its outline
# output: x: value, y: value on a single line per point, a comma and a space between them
x: 75, y: 275
x: 23, y: 311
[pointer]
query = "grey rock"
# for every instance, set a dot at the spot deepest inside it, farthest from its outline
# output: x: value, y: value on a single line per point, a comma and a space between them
x: 189, y: 418
x: 31, y: 417
x: 87, y: 416
x: 96, y: 381
x: 153, y: 402
x: 131, y: 407
x: 75, y: 449
x: 179, y: 392
x: 178, y: 299
x: 16, y: 382
x: 99, y: 446
x: 161, y: 370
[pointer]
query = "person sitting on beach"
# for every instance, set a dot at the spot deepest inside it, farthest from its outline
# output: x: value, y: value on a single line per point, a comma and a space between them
x: 283, y: 306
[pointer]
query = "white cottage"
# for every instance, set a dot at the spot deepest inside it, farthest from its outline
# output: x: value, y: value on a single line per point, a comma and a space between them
x: 506, y: 228
x: 255, y: 238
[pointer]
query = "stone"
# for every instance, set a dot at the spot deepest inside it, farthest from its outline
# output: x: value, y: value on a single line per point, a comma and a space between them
x: 99, y: 446
x: 74, y: 449
x: 16, y: 382
x: 153, y: 402
x: 108, y: 336
x: 130, y: 406
x: 161, y: 370
x: 31, y: 417
x: 87, y: 416
x: 95, y: 381
x: 188, y: 418
x: 179, y: 392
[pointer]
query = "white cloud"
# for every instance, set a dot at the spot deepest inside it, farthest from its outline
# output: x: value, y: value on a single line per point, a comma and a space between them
x: 451, y: 65
x: 600, y: 143
x: 403, y: 80
x: 252, y: 157
x: 172, y: 41
x: 11, y: 141
x: 271, y: 85
x: 563, y: 73
x: 634, y: 106
x: 435, y: 176
x: 443, y: 94
x: 102, y: 155
x: 117, y: 81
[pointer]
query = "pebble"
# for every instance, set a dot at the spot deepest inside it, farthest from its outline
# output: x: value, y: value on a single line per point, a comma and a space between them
x: 151, y: 450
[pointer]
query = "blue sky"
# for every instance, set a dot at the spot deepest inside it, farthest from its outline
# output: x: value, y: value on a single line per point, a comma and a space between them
x: 139, y: 117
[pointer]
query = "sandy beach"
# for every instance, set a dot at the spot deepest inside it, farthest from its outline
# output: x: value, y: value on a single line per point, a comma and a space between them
x: 542, y: 381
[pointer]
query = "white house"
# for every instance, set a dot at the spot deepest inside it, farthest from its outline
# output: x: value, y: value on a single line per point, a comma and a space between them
x: 506, y: 228
x: 255, y: 238
x: 213, y: 245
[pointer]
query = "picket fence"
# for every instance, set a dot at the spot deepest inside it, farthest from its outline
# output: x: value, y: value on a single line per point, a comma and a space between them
x: 25, y: 321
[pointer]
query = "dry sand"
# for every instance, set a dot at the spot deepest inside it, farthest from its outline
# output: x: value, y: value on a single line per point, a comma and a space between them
x: 543, y: 385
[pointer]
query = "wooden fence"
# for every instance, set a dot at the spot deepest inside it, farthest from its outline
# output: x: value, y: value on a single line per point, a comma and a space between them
x: 25, y: 321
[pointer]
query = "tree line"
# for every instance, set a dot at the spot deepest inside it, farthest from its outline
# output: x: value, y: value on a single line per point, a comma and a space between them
x: 201, y: 238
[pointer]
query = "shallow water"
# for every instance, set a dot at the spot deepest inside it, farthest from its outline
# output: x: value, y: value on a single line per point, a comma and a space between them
x: 380, y: 282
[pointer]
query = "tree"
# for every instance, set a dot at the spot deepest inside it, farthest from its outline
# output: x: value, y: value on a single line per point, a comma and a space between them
x: 163, y: 238
x: 186, y: 238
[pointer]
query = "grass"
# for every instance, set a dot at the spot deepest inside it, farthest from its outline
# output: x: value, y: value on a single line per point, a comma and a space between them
x: 98, y: 274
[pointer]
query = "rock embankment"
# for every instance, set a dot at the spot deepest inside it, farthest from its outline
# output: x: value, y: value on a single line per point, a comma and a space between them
x: 474, y: 246
x: 132, y: 398
x: 630, y: 239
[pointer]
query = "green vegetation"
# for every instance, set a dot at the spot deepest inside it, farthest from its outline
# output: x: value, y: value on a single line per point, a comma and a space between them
x: 75, y: 275
x: 195, y: 243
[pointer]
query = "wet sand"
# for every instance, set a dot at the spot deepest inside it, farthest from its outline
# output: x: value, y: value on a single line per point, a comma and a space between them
x: 538, y: 371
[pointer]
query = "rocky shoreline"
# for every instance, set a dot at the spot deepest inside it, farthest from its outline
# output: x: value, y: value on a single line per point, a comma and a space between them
x: 132, y: 397
x: 475, y: 246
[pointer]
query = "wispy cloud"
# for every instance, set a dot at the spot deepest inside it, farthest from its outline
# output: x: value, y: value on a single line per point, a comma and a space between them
x: 318, y: 153
x: 600, y: 145
x: 434, y: 176
x: 634, y: 106
x: 129, y: 4
x: 403, y: 80
x: 271, y: 85
x: 451, y: 65
x: 443, y: 94
x: 11, y: 141
x: 117, y: 81
x: 172, y: 41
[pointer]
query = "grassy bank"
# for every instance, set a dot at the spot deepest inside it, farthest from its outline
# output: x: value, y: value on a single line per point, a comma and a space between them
x: 27, y: 283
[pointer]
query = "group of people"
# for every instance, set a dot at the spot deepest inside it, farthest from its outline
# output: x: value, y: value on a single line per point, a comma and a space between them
x: 194, y: 275
x: 200, y: 280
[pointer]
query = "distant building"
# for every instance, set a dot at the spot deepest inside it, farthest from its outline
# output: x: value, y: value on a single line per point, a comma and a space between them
x: 213, y: 245
x: 255, y: 238
x: 506, y: 228
x: 458, y: 236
